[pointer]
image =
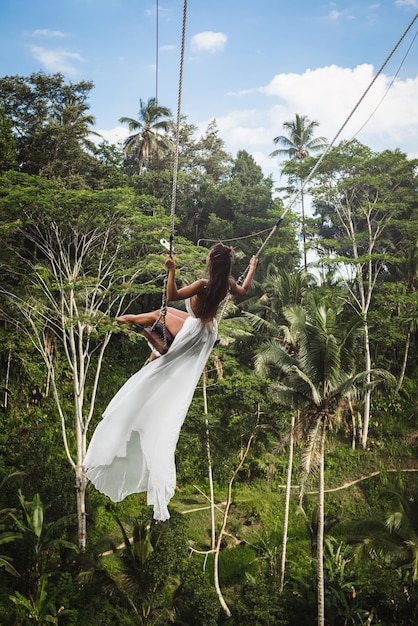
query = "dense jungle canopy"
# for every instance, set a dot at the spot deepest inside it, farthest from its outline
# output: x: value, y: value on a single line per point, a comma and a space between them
x: 297, y: 492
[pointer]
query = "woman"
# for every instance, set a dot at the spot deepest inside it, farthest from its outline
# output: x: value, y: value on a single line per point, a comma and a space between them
x: 133, y: 447
x: 204, y: 296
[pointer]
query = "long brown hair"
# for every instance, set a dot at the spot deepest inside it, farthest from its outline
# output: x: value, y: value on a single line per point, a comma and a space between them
x: 219, y: 268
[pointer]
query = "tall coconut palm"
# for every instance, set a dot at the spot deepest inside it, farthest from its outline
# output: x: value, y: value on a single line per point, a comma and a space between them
x: 281, y: 288
x: 146, y: 138
x: 315, y: 378
x: 300, y: 142
x: 297, y: 145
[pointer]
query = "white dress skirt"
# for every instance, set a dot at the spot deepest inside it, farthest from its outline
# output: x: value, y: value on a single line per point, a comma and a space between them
x: 133, y: 447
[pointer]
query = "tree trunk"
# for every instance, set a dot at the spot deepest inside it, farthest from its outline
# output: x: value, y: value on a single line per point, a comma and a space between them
x: 353, y: 426
x: 320, y: 533
x: 287, y: 504
x: 235, y: 472
x: 210, y: 474
x: 81, y: 484
x: 367, y: 397
x: 7, y: 379
x: 404, y: 362
x: 302, y: 204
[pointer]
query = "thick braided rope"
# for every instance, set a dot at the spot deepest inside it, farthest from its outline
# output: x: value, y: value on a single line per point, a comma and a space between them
x: 176, y: 152
x: 317, y: 164
x: 175, y: 167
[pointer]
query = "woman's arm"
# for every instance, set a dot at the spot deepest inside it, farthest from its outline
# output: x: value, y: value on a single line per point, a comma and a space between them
x: 184, y: 292
x: 241, y: 290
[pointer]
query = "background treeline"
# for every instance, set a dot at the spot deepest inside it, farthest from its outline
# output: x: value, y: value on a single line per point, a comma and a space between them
x: 296, y: 499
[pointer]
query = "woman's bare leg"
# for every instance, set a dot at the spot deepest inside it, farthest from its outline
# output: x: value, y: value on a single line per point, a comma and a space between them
x: 174, y: 319
x: 142, y: 319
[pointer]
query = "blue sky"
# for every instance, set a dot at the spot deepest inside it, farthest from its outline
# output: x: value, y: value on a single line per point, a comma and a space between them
x: 251, y: 65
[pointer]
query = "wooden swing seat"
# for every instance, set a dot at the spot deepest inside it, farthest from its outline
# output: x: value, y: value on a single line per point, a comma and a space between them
x: 155, y: 337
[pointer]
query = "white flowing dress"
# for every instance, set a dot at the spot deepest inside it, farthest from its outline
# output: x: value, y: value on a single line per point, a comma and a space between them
x: 133, y: 447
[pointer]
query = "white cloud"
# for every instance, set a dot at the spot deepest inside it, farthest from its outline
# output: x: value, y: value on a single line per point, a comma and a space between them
x: 334, y: 15
x: 57, y: 60
x: 333, y: 93
x: 167, y: 48
x: 387, y: 118
x: 208, y: 42
x: 244, y: 129
x: 326, y: 95
x: 115, y: 135
x: 406, y: 3
x: 49, y: 34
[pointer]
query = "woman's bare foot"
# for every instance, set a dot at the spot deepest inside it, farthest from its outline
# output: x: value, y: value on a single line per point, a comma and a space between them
x: 126, y: 319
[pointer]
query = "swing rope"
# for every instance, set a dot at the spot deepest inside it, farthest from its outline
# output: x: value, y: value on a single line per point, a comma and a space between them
x: 298, y: 192
x: 163, y: 309
x: 295, y: 195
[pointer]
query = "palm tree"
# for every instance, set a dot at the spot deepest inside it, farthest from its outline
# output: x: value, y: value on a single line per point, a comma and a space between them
x: 297, y: 146
x: 149, y: 566
x: 146, y: 138
x: 315, y: 377
x: 280, y: 288
x: 299, y: 143
x: 393, y: 538
x: 72, y: 120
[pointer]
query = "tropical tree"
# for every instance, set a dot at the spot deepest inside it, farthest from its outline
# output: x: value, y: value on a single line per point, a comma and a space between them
x: 297, y: 145
x: 8, y: 159
x: 70, y: 142
x: 391, y: 539
x: 401, y: 298
x: 315, y: 378
x: 281, y: 289
x: 146, y: 138
x: 149, y: 567
x: 40, y: 545
x: 79, y: 270
x: 51, y: 126
x: 361, y: 198
x: 299, y: 142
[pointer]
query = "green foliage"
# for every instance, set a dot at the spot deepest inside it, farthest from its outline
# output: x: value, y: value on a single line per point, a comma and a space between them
x: 52, y: 128
x: 36, y: 610
x: 64, y: 188
x: 259, y: 604
x: 7, y: 145
x: 195, y: 600
x: 147, y: 569
x: 235, y: 564
x: 392, y: 417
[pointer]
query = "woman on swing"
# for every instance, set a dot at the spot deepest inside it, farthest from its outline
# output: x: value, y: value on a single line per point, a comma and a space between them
x: 133, y: 447
x: 202, y: 298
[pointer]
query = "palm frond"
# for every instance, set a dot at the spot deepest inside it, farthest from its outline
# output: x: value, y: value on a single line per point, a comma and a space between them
x: 272, y: 354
